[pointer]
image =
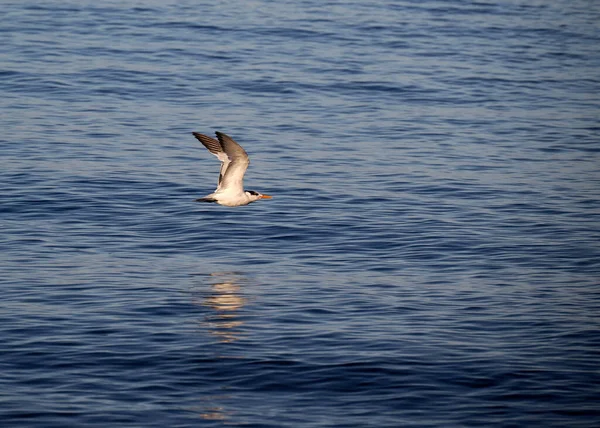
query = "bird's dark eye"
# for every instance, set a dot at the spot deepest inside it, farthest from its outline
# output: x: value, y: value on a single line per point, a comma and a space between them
x: 252, y: 192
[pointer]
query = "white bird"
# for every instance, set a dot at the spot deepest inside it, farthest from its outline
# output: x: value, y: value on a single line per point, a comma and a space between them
x: 234, y: 163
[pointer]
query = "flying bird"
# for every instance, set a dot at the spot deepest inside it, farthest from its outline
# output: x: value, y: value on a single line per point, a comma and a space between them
x: 234, y: 163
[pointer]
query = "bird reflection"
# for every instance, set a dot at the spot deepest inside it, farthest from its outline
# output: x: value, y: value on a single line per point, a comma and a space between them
x: 225, y: 300
x: 213, y: 414
x: 221, y: 295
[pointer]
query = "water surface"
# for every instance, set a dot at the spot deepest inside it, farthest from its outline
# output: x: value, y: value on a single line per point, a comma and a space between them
x: 431, y: 256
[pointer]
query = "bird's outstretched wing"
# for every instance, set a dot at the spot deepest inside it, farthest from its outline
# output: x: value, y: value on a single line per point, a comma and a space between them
x: 233, y: 178
x: 214, y: 146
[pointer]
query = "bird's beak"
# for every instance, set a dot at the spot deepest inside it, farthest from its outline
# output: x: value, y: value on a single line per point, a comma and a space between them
x: 266, y: 197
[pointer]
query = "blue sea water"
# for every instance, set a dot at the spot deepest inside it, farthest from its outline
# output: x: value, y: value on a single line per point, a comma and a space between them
x: 431, y: 256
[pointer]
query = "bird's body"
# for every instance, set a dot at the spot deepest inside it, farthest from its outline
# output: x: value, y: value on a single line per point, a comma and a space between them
x: 234, y: 163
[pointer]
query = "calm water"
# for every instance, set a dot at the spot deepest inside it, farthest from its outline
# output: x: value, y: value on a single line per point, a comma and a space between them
x: 431, y: 256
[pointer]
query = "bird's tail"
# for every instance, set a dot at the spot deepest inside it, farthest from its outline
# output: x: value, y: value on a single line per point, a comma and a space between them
x: 207, y: 199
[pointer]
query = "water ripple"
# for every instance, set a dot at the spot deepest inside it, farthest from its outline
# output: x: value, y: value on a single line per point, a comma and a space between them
x: 430, y: 256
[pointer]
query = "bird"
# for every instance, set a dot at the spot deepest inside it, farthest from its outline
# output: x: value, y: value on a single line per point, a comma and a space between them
x: 234, y: 163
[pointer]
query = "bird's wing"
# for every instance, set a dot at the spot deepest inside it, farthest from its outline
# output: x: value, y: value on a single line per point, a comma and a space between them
x: 214, y: 146
x: 233, y: 178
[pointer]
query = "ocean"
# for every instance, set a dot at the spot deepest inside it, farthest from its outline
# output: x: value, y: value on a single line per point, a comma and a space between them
x: 430, y: 257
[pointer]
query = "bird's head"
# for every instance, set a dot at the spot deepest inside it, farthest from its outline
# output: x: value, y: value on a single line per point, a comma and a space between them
x: 255, y: 196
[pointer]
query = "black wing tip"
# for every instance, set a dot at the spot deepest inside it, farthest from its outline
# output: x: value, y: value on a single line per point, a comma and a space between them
x: 199, y: 135
x: 220, y: 135
x: 213, y: 146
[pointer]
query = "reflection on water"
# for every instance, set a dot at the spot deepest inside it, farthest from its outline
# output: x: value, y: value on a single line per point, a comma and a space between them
x: 215, y: 413
x: 225, y: 300
x: 212, y: 412
x: 221, y: 292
